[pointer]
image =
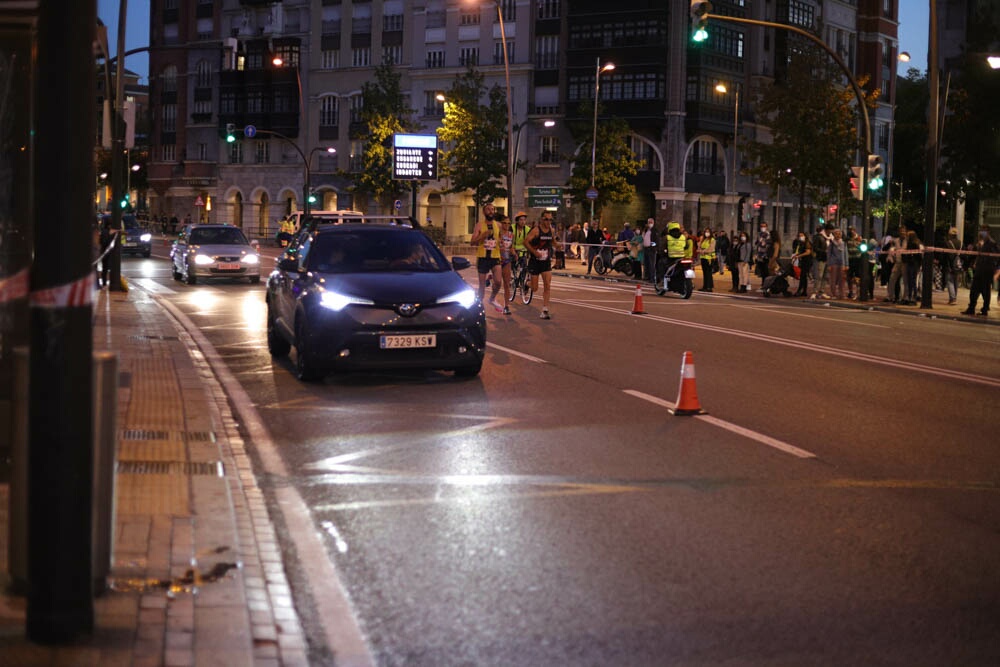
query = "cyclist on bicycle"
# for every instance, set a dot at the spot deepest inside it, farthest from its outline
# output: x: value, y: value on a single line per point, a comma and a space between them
x: 520, y: 233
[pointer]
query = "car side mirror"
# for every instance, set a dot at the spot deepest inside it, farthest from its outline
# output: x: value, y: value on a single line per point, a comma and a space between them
x: 288, y: 264
x: 460, y: 263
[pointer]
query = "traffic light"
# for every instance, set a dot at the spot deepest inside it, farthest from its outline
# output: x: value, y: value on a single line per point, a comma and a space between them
x: 699, y: 19
x: 856, y: 183
x: 875, y: 172
x: 124, y: 202
x: 230, y: 133
x: 312, y: 198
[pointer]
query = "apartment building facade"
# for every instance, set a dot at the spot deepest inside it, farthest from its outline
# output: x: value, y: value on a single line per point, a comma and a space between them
x: 218, y: 69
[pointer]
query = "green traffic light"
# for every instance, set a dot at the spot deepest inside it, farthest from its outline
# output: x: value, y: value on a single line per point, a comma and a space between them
x: 230, y: 138
x: 700, y: 35
x: 312, y: 199
x: 875, y: 183
x: 124, y: 203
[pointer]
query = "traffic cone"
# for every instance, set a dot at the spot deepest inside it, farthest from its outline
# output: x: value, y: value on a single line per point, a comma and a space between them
x: 687, y: 395
x: 637, y: 304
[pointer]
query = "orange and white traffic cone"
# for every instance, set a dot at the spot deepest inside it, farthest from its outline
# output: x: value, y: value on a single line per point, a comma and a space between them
x: 687, y: 395
x: 637, y: 304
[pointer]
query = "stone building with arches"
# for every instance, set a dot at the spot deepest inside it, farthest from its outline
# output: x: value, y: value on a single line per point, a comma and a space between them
x: 286, y: 78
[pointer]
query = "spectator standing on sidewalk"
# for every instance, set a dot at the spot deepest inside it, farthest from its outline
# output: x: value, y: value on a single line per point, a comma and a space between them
x: 732, y: 261
x: 650, y: 241
x: 635, y: 253
x: 560, y: 255
x: 774, y: 253
x: 706, y: 251
x: 744, y: 255
x: 952, y: 265
x: 802, y: 253
x: 820, y: 240
x: 762, y: 251
x: 595, y: 239
x: 722, y: 246
x: 836, y: 258
x: 853, y: 244
x: 911, y: 264
x: 985, y: 271
x: 896, y: 275
x: 581, y: 244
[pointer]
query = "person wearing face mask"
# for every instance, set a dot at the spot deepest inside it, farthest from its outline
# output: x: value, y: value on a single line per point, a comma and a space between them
x: 985, y: 271
x: 650, y: 241
x: 706, y: 251
x: 744, y: 253
x: 952, y: 263
x: 762, y: 252
x: 803, y: 254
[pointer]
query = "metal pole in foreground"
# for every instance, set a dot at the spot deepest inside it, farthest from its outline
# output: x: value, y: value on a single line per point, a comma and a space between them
x: 60, y: 481
x: 930, y: 203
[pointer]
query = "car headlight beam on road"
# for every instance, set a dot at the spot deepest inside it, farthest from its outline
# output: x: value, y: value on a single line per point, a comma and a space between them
x: 203, y: 260
x: 338, y: 302
x: 465, y: 298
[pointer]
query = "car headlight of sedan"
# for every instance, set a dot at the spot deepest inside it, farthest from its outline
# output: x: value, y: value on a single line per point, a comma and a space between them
x: 203, y: 260
x: 250, y: 259
x: 146, y: 238
x: 337, y: 302
x: 465, y: 298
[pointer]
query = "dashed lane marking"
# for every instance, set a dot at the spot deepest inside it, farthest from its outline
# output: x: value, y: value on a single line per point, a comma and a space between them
x: 732, y: 428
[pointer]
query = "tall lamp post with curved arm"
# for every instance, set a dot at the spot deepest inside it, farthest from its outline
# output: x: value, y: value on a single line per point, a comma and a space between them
x: 593, y: 143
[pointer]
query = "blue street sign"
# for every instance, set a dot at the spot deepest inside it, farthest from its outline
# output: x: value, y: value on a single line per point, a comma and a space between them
x: 398, y: 204
x: 249, y: 131
x: 591, y: 193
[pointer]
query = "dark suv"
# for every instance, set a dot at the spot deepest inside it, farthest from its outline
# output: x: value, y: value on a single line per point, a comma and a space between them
x: 373, y: 296
x: 136, y: 240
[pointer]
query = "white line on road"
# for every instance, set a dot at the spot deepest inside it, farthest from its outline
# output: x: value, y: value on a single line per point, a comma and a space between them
x: 775, y: 340
x: 516, y: 353
x: 733, y: 428
x: 784, y: 311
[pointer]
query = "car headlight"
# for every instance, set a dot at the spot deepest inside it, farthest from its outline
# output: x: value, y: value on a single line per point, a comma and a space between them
x: 250, y: 259
x: 465, y: 298
x: 338, y: 302
x: 146, y: 238
x: 203, y: 259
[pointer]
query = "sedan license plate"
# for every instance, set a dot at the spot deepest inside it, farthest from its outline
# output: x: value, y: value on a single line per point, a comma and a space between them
x: 228, y: 267
x: 399, y: 342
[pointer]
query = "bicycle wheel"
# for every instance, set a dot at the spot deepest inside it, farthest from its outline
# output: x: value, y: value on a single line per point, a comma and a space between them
x: 526, y: 291
x: 518, y: 281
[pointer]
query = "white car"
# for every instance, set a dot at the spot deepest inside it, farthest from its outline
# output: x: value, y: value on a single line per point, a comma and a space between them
x: 214, y: 251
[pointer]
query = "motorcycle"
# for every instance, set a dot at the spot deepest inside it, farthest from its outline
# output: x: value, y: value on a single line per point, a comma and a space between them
x: 679, y: 278
x: 613, y: 257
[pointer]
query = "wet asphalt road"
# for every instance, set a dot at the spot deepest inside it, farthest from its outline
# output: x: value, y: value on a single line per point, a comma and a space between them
x: 841, y: 505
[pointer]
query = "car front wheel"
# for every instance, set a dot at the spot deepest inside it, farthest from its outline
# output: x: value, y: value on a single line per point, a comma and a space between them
x: 305, y: 365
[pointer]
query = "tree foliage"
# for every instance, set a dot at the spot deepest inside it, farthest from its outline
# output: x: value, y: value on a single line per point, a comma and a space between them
x: 814, y: 128
x: 615, y: 163
x: 384, y: 113
x: 473, y: 137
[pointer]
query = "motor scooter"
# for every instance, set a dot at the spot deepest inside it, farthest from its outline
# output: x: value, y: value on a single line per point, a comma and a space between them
x: 678, y: 277
x: 614, y: 257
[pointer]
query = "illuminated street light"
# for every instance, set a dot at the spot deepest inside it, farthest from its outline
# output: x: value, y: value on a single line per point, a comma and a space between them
x: 593, y: 144
x: 904, y: 57
x: 721, y: 88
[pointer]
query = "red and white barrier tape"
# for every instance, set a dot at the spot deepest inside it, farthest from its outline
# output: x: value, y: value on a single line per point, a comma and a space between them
x: 14, y: 287
x: 77, y: 293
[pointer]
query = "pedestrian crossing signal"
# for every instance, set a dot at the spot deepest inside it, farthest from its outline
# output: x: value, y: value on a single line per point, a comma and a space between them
x: 856, y: 183
x: 230, y: 133
x: 875, y: 172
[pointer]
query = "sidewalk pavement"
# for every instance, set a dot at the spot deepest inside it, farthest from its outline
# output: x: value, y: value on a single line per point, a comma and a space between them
x: 940, y: 309
x: 196, y: 576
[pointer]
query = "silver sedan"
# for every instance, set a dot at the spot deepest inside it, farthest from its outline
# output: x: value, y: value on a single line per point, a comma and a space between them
x: 214, y: 251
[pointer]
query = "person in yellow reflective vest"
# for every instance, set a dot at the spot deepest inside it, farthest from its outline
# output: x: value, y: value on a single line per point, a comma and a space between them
x: 520, y: 232
x: 674, y: 248
x: 706, y: 251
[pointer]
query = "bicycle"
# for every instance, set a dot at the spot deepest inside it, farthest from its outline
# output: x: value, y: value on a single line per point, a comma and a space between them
x: 521, y: 280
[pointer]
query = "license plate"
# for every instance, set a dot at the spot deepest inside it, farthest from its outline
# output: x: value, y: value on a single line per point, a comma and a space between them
x: 128, y: 244
x: 228, y: 267
x: 399, y: 342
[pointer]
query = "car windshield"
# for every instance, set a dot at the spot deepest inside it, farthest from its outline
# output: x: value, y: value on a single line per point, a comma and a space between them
x: 130, y: 223
x: 375, y: 250
x: 217, y: 236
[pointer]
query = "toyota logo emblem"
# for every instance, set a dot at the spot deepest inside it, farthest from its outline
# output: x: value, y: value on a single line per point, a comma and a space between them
x: 408, y: 309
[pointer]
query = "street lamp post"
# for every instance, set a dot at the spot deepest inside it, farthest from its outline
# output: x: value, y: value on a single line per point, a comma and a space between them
x: 308, y: 162
x: 736, y: 124
x: 593, y: 143
x: 510, y: 115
